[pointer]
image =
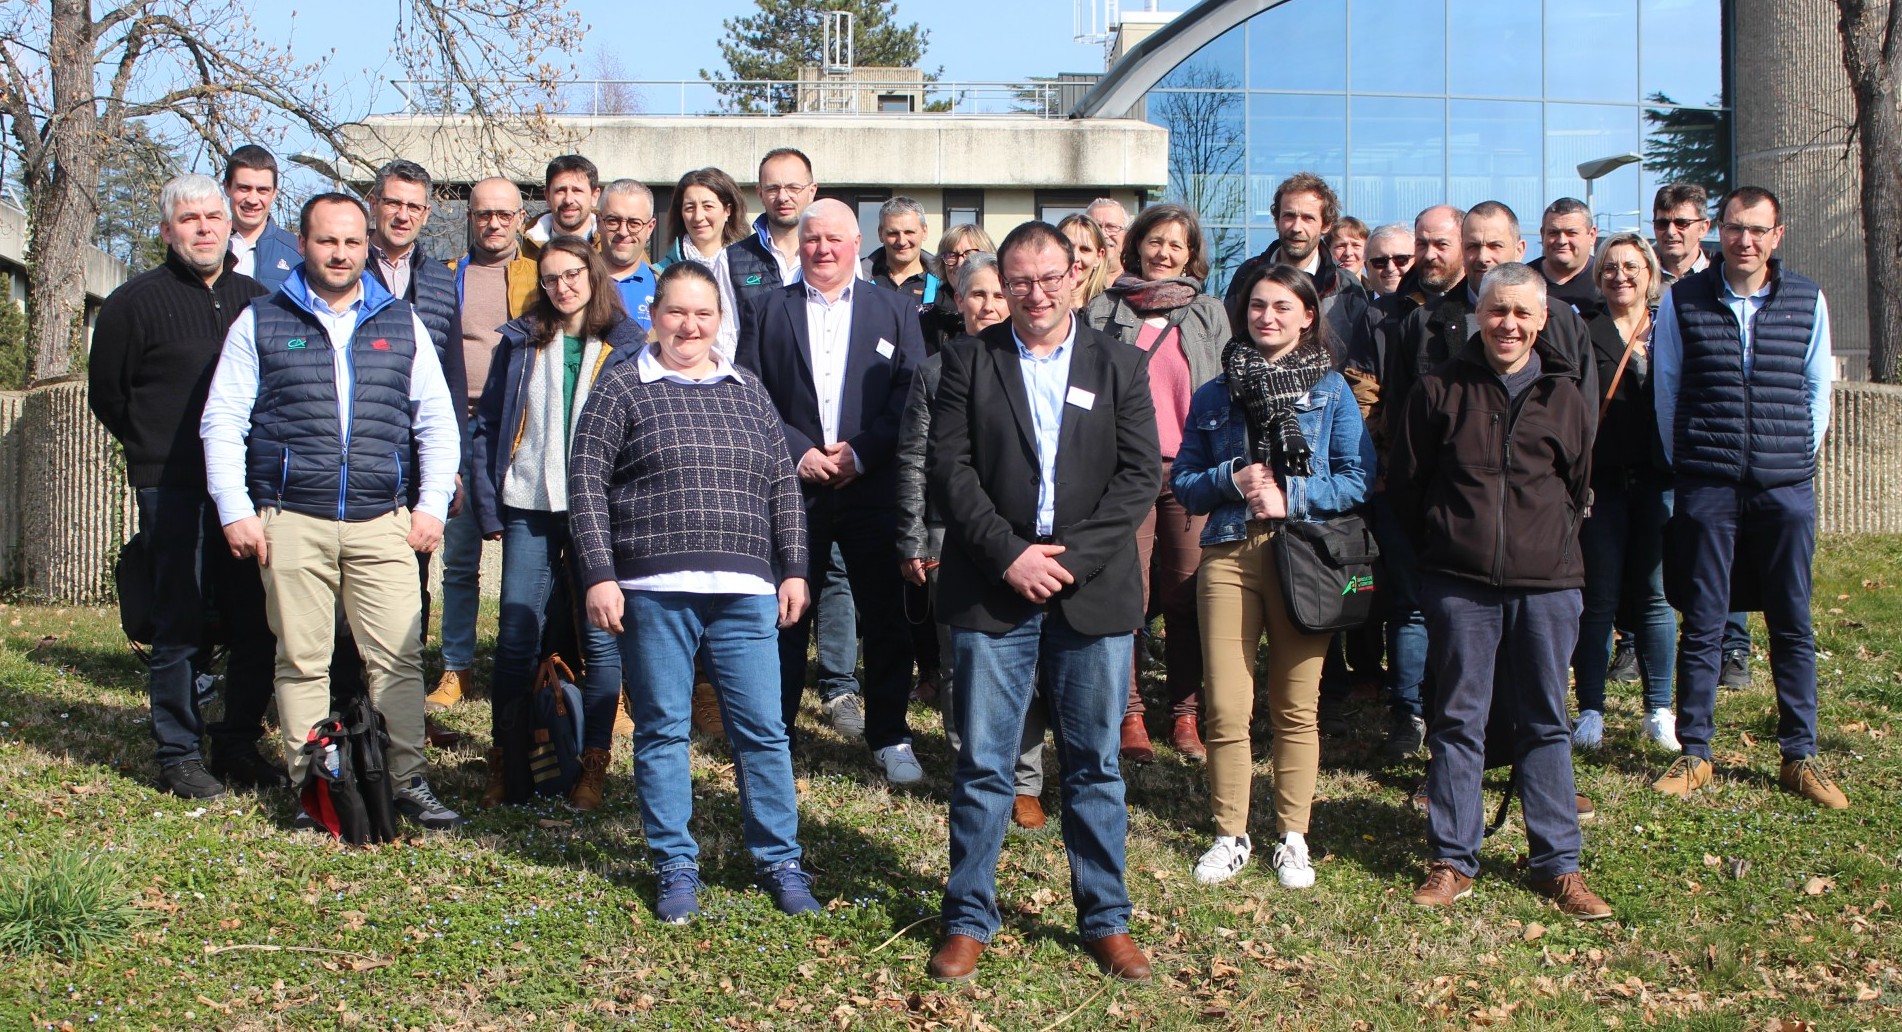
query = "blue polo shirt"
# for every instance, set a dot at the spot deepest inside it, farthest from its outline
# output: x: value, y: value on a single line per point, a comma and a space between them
x: 637, y: 293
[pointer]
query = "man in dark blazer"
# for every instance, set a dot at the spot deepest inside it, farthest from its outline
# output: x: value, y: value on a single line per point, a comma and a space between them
x: 1043, y: 460
x: 837, y: 353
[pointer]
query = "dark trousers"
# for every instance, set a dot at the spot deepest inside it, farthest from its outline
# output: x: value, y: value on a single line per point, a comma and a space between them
x: 1479, y: 639
x: 191, y: 566
x: 867, y: 538
x: 1773, y: 529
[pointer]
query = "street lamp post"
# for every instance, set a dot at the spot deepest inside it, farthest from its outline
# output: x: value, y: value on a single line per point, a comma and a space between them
x: 1598, y: 168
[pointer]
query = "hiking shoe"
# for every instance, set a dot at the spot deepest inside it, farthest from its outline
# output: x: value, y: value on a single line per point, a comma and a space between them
x: 1805, y: 777
x: 1290, y: 861
x: 449, y: 691
x: 1660, y: 725
x: 1135, y: 745
x: 188, y: 779
x: 1588, y: 731
x: 494, y: 782
x: 846, y: 712
x: 678, y: 898
x: 1224, y: 860
x: 1186, y: 736
x: 1443, y: 887
x: 1686, y: 774
x: 1406, y: 735
x: 901, y: 764
x: 706, y: 712
x: 241, y: 765
x: 416, y: 801
x: 1624, y: 662
x: 1333, y: 722
x: 1735, y: 672
x: 790, y: 886
x: 1572, y: 897
x: 623, y: 720
x: 585, y: 794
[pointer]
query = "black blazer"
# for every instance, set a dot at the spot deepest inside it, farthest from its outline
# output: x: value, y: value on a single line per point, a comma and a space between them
x: 884, y: 351
x: 983, y: 474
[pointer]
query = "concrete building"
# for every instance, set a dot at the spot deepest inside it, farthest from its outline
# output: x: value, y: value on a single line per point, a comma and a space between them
x: 104, y: 273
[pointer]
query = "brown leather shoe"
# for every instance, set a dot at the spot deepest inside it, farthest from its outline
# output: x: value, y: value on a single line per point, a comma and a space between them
x: 1118, y: 956
x: 1186, y: 736
x: 1686, y: 774
x: 706, y: 713
x: 623, y: 720
x: 449, y: 691
x: 1136, y: 747
x: 588, y: 789
x: 1026, y: 811
x: 1806, y: 778
x: 1444, y: 886
x: 440, y: 737
x: 1572, y: 897
x: 955, y: 959
x: 495, y: 784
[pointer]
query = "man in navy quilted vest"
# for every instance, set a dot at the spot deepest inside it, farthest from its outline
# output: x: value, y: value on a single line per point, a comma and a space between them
x: 1741, y: 365
x: 320, y: 392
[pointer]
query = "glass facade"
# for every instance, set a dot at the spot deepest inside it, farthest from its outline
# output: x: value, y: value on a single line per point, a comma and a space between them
x: 1400, y: 105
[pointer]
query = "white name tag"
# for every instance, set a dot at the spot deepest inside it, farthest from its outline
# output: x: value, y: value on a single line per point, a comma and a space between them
x: 1081, y: 398
x: 885, y: 348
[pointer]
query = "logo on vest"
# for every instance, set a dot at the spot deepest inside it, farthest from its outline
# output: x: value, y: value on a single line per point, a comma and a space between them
x: 295, y: 344
x: 379, y: 344
x: 755, y: 279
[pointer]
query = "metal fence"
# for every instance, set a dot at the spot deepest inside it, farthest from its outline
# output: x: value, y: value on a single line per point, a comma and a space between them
x: 699, y: 97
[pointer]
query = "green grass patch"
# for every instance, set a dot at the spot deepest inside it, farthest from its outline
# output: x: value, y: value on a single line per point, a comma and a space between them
x: 68, y: 904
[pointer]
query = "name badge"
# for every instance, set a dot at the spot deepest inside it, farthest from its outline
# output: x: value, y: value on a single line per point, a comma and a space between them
x: 885, y: 348
x: 1081, y: 398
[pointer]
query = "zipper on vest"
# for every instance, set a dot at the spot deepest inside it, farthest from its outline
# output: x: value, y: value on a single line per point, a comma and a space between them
x: 283, y: 476
x: 1499, y: 524
x: 349, y: 387
x: 397, y: 454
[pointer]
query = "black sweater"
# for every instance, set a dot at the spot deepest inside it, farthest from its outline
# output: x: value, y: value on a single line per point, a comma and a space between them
x: 153, y: 351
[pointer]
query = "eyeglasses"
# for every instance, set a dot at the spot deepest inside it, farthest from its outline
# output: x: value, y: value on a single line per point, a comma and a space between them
x: 955, y: 258
x: 1398, y: 261
x: 776, y: 189
x: 392, y: 205
x: 1048, y: 284
x: 1738, y: 229
x: 495, y: 214
x: 613, y: 223
x: 1682, y: 224
x: 569, y: 277
x: 1631, y: 269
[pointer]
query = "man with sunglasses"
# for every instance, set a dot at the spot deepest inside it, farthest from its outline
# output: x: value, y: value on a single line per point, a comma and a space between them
x: 1389, y: 256
x: 1741, y: 370
x: 624, y: 224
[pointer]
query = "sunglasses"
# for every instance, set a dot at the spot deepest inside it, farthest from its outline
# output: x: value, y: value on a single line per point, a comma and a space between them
x: 1398, y: 261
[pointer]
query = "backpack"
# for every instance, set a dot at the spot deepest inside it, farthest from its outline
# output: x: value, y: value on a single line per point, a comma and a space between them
x: 554, y: 726
x: 138, y: 595
x: 347, y: 787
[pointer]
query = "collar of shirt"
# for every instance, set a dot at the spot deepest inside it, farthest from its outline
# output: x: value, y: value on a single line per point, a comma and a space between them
x: 650, y: 369
x: 813, y: 296
x: 384, y: 256
x: 1024, y: 352
x: 239, y: 245
x: 1313, y: 265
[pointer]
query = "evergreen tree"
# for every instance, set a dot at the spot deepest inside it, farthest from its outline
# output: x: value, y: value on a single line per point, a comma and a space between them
x: 787, y: 34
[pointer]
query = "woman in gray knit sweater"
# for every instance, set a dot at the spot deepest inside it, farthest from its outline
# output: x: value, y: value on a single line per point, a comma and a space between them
x: 692, y: 535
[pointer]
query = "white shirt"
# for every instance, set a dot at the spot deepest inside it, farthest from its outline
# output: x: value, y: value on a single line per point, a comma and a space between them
x: 829, y: 333
x: 234, y: 392
x: 246, y: 251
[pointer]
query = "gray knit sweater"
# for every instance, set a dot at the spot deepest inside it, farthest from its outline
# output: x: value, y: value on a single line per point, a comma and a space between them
x: 666, y: 477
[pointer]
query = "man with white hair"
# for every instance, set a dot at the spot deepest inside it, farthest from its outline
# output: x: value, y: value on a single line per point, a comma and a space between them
x: 624, y: 225
x: 1110, y: 214
x: 1389, y: 255
x: 154, y: 348
x: 837, y: 354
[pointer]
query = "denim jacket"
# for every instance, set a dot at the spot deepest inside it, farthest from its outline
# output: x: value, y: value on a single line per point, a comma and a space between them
x: 1215, y: 445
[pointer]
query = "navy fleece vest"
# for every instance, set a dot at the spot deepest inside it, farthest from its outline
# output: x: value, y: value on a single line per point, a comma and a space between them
x: 1751, y: 430
x: 299, y: 459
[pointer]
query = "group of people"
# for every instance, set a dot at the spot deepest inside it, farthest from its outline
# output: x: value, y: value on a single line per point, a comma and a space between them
x: 991, y: 466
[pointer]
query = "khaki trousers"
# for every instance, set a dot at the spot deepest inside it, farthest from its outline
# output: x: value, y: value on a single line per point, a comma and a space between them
x: 1238, y: 596
x: 369, y: 568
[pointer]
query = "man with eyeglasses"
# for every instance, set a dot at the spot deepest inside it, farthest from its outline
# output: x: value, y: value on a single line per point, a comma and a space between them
x: 1110, y: 214
x: 494, y: 283
x: 625, y: 223
x: 1569, y: 235
x: 1043, y: 458
x: 1741, y: 369
x: 1389, y: 256
x: 769, y: 259
x: 572, y: 187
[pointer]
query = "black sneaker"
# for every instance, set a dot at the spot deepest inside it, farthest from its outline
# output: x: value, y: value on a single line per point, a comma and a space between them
x: 1406, y: 734
x: 189, y: 779
x: 417, y: 802
x: 241, y: 766
x: 1624, y: 663
x: 303, y: 821
x: 1333, y: 722
x: 1735, y: 673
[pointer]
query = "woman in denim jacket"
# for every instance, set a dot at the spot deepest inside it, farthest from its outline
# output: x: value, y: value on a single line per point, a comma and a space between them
x: 1278, y: 436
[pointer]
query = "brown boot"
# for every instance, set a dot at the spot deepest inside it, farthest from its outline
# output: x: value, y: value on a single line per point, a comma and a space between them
x: 1444, y: 886
x: 1026, y: 811
x: 1136, y: 747
x: 623, y: 720
x: 449, y: 691
x: 706, y: 713
x: 593, y: 782
x: 495, y: 783
x: 1686, y: 774
x: 1572, y: 897
x: 1187, y: 738
x: 1806, y: 778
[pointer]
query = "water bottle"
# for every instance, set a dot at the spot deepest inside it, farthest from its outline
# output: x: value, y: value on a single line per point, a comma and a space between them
x: 333, y: 764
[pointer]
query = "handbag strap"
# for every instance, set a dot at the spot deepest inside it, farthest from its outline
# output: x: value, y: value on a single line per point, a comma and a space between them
x: 1617, y: 375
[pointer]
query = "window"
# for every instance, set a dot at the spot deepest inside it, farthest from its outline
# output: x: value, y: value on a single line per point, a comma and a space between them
x: 961, y: 206
x: 896, y: 103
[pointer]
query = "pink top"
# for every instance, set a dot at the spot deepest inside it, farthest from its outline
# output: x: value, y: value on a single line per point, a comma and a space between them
x: 1169, y: 383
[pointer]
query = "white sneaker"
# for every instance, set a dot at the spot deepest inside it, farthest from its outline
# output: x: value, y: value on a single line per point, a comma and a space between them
x: 1224, y: 860
x: 901, y: 764
x: 1660, y: 725
x: 1290, y: 861
x: 1588, y: 731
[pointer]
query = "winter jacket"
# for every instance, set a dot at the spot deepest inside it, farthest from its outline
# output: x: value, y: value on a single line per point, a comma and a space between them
x: 1203, y: 324
x: 920, y: 530
x: 275, y: 255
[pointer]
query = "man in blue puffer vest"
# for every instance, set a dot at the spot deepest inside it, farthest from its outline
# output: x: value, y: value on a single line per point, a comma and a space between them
x: 320, y: 391
x: 1741, y: 366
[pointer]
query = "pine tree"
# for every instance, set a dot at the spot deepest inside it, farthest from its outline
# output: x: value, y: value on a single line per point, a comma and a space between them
x: 787, y: 34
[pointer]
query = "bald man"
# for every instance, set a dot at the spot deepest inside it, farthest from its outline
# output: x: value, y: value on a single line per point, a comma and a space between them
x: 837, y: 353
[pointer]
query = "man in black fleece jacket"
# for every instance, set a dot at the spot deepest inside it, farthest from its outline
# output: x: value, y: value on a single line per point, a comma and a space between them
x: 156, y: 343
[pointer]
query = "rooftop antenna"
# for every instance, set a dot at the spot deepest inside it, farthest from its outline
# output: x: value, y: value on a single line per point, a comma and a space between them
x: 1095, y: 21
x: 838, y: 43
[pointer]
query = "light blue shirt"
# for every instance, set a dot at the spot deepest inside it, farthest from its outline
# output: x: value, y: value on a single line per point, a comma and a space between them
x: 1046, y: 380
x: 1667, y: 359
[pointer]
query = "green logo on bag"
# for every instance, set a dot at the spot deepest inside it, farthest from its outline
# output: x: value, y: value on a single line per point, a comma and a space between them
x: 296, y: 343
x: 1357, y: 585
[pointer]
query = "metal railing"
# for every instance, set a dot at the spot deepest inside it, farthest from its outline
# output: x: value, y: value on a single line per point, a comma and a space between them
x: 700, y: 97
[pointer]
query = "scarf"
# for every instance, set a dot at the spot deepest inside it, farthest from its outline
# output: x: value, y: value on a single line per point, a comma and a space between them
x: 1152, y: 297
x: 1267, y: 392
x: 537, y: 475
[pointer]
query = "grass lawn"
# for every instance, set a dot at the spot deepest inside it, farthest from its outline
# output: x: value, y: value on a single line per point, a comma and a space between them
x: 1742, y: 909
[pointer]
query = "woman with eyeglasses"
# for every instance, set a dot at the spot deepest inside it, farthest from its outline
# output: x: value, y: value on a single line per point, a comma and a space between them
x: 1164, y: 312
x: 1092, y: 253
x: 1623, y: 539
x: 543, y: 369
x: 941, y: 320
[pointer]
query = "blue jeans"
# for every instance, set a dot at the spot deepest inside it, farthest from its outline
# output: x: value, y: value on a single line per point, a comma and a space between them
x: 836, y: 625
x: 1406, y: 626
x: 535, y: 549
x: 1086, y: 683
x: 461, y: 592
x: 1737, y: 632
x: 1506, y: 648
x: 737, y: 636
x: 1623, y: 545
